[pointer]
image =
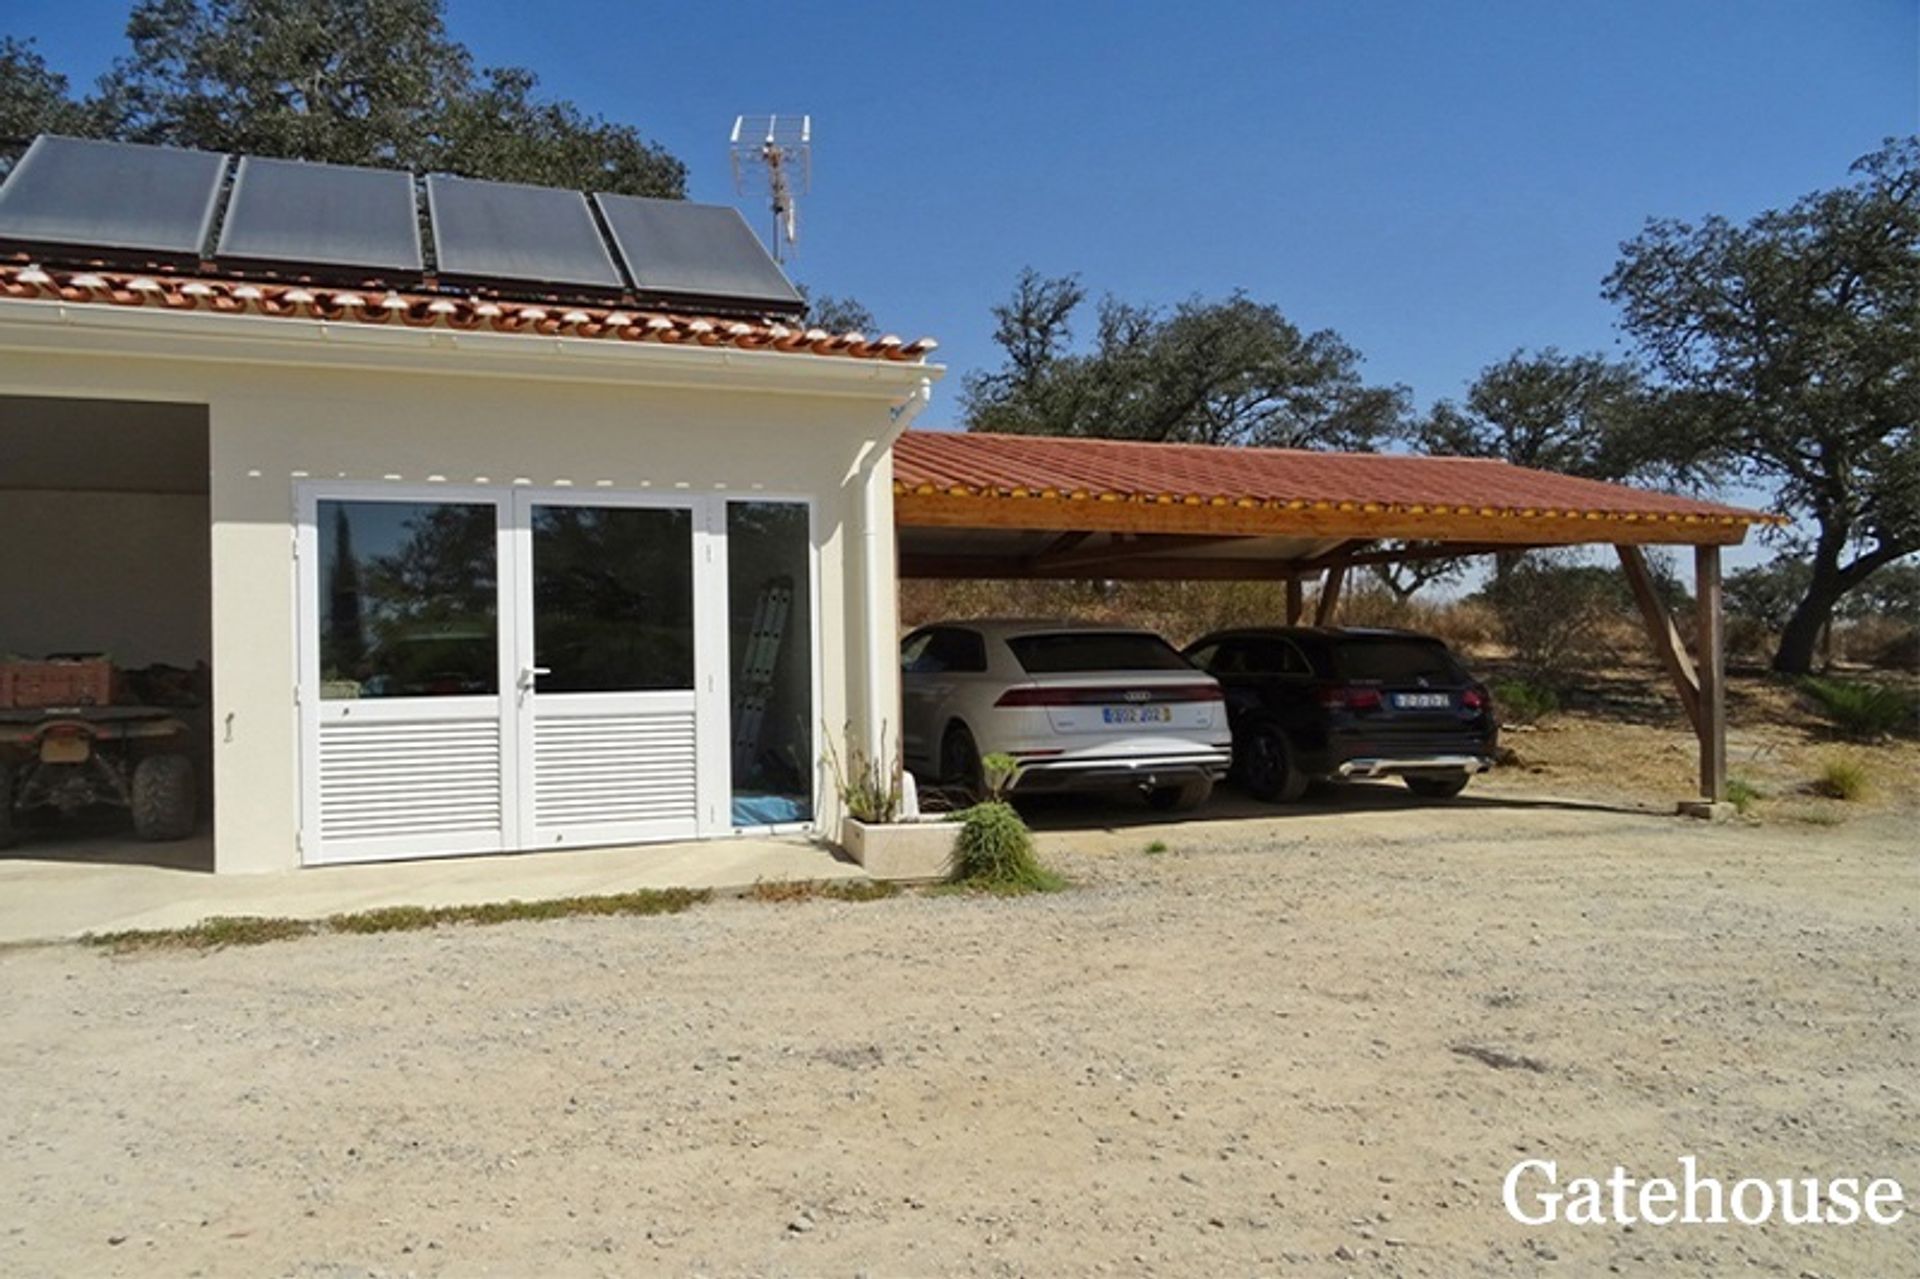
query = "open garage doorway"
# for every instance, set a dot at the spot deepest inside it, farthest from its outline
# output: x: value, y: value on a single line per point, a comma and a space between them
x: 105, y: 632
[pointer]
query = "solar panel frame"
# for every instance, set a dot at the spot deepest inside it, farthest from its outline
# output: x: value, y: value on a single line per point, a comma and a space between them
x: 263, y: 230
x: 510, y: 233
x: 672, y: 248
x: 113, y: 199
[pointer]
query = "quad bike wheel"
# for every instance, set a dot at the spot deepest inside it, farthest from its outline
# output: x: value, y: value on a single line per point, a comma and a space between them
x: 165, y: 805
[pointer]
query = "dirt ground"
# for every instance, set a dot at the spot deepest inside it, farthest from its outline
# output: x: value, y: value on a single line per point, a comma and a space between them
x: 1622, y: 737
x: 1234, y: 1056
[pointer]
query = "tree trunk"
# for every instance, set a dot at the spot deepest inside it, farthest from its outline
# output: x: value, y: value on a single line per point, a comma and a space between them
x: 1801, y: 636
x: 1814, y: 613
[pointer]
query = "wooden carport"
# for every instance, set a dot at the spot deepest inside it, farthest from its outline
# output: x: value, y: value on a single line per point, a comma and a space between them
x: 1012, y: 507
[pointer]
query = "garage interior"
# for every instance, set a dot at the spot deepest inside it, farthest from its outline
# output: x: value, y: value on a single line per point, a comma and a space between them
x: 105, y: 524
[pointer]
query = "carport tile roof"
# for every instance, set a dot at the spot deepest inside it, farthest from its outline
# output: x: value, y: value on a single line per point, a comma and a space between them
x: 977, y: 464
x: 461, y: 314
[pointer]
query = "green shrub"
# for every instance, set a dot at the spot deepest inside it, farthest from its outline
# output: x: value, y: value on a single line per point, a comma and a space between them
x: 1554, y: 613
x: 1864, y: 710
x: 995, y: 853
x: 1842, y: 778
x: 1520, y: 701
x: 1742, y: 794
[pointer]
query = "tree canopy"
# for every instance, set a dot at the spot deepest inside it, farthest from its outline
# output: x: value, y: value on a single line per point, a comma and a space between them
x: 377, y: 82
x: 838, y: 314
x: 34, y: 98
x: 1228, y: 371
x: 1789, y: 347
x: 1576, y: 414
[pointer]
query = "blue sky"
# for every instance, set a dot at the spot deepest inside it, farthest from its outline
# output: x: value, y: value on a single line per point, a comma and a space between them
x: 1441, y: 183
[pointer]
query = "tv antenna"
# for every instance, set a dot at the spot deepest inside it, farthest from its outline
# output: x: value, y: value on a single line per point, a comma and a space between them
x: 773, y: 157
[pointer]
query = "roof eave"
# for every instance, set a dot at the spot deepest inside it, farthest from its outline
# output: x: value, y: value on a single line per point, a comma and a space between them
x: 959, y: 506
x: 60, y: 327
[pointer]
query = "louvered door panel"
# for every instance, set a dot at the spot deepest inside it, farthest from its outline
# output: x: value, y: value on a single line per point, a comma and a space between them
x: 628, y: 775
x: 435, y: 783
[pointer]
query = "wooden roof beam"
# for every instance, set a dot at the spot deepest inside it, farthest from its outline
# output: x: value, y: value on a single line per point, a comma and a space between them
x: 1130, y: 546
x: 1318, y: 523
x: 1163, y: 567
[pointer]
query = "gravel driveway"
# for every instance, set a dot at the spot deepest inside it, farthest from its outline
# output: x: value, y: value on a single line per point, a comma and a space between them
x: 1234, y: 1057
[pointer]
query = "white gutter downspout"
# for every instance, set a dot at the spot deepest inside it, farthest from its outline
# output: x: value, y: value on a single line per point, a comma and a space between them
x: 882, y: 663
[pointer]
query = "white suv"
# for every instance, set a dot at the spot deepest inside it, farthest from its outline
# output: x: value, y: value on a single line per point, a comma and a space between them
x: 1079, y: 707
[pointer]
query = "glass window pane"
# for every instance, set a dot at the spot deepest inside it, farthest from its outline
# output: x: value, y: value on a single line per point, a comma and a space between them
x: 408, y: 599
x: 613, y: 598
x: 1072, y: 652
x: 770, y: 627
x: 1397, y: 661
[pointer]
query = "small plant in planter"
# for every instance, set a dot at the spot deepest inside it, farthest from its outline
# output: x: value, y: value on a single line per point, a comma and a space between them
x: 869, y: 785
x: 875, y: 833
x: 995, y: 849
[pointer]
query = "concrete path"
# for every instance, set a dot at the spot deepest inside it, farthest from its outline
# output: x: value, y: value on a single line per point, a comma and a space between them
x: 69, y: 885
x: 47, y: 899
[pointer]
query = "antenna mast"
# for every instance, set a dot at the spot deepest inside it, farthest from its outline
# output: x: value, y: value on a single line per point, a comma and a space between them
x: 773, y: 157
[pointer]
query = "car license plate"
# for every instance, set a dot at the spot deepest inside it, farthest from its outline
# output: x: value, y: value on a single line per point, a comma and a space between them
x: 1136, y: 714
x: 1423, y: 701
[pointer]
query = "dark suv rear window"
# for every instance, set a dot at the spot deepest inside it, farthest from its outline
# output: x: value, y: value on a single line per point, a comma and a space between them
x: 1071, y: 652
x: 1390, y: 660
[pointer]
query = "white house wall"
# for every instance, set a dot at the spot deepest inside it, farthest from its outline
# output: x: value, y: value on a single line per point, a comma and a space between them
x: 273, y: 426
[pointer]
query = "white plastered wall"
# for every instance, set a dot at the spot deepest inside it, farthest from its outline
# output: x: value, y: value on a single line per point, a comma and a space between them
x: 503, y: 421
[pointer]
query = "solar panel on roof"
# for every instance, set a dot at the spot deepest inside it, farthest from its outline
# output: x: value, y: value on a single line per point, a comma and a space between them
x: 321, y: 215
x: 672, y: 247
x: 502, y: 231
x: 111, y: 197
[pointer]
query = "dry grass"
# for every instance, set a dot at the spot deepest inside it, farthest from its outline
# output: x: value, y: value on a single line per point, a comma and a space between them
x: 1621, y: 735
x: 1843, y: 777
x: 216, y: 933
x: 221, y: 932
x: 783, y: 891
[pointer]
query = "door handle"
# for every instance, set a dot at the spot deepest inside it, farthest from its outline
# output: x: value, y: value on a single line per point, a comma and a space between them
x: 528, y: 674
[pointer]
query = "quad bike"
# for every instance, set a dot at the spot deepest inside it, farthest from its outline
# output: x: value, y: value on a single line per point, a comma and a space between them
x: 71, y: 758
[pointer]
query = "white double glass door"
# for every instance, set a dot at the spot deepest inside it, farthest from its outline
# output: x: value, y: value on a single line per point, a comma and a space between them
x: 484, y: 671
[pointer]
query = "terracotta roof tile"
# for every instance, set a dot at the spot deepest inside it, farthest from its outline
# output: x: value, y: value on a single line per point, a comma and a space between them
x: 426, y: 310
x: 1033, y: 466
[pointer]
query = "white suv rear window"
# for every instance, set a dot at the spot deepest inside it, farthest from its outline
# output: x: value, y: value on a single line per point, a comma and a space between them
x: 1076, y: 652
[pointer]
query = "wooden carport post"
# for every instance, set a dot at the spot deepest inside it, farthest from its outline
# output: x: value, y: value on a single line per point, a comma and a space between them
x: 1712, y: 662
x: 1296, y: 601
x: 1700, y: 681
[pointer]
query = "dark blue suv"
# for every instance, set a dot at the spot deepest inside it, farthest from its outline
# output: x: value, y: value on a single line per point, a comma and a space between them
x: 1311, y: 703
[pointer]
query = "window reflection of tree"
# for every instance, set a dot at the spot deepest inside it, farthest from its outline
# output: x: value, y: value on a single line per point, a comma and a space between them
x: 613, y: 598
x: 419, y: 619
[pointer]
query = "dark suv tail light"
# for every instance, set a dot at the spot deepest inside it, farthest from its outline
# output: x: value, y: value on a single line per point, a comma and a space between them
x: 1346, y: 696
x: 1475, y: 698
x: 1133, y: 694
